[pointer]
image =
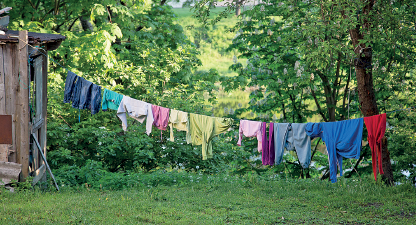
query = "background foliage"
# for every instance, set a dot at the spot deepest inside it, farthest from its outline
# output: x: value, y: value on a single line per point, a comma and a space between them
x: 294, y: 58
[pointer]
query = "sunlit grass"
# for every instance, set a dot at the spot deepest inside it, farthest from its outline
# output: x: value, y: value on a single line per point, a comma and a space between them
x: 218, y: 200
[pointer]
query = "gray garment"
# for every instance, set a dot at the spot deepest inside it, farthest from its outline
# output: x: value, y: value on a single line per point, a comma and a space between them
x: 292, y: 136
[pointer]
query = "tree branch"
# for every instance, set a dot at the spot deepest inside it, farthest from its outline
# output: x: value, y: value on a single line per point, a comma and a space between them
x: 346, y: 89
x: 72, y: 24
x: 49, y: 12
x: 33, y: 6
x: 318, y: 105
x: 335, y: 84
x: 316, y: 148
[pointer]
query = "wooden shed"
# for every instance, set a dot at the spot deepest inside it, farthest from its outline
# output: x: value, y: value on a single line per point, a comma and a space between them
x: 23, y: 102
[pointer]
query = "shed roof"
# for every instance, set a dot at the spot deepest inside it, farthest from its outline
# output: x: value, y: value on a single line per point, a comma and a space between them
x: 34, y: 38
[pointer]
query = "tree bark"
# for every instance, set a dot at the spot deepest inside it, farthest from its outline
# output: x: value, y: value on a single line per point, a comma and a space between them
x: 238, y: 7
x: 364, y: 75
x: 86, y: 24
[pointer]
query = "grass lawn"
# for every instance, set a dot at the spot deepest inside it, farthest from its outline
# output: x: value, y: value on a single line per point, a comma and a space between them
x: 218, y: 201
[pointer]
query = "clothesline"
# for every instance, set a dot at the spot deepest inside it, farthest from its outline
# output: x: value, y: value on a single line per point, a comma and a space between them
x: 342, y: 138
x: 41, y: 52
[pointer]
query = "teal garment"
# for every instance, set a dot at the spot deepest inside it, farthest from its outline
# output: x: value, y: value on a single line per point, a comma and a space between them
x: 111, y: 100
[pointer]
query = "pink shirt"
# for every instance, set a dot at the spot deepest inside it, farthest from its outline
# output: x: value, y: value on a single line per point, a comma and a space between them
x: 251, y: 129
x: 161, y: 117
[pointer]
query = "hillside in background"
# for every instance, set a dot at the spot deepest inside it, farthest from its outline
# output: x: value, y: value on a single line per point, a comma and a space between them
x: 212, y: 43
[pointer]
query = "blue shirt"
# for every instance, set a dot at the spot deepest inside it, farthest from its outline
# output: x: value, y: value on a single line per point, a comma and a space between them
x: 342, y: 139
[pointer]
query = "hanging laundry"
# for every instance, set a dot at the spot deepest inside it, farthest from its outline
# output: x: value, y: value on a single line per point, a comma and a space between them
x: 293, y: 137
x: 111, y: 100
x: 179, y: 120
x: 376, y: 127
x: 268, y: 152
x: 71, y: 79
x: 160, y: 116
x: 136, y: 109
x: 342, y: 139
x: 204, y: 128
x: 250, y: 129
x: 95, y: 99
x: 82, y: 94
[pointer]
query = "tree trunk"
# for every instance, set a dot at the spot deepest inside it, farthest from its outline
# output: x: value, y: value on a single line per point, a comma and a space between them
x: 238, y: 8
x: 364, y: 75
x: 86, y: 24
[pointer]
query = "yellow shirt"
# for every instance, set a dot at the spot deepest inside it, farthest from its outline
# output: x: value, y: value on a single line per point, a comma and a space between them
x: 204, y: 128
x: 178, y: 120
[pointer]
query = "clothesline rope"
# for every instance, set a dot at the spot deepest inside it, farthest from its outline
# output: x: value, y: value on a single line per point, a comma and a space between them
x: 47, y: 56
x: 406, y: 109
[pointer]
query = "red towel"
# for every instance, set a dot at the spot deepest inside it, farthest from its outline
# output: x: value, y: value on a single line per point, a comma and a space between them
x: 376, y: 127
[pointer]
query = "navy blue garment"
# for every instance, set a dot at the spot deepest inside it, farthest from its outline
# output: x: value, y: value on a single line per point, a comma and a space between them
x: 95, y: 99
x: 69, y: 86
x: 82, y: 94
x: 342, y: 139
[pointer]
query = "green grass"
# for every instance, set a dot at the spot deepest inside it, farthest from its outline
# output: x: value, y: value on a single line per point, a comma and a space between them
x: 218, y: 200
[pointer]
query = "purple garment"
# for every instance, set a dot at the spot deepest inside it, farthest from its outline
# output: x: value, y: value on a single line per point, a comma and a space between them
x: 160, y: 116
x: 267, y: 156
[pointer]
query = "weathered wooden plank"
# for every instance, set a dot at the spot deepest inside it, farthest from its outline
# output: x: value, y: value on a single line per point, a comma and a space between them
x: 39, y: 174
x: 35, y: 154
x: 23, y: 106
x: 9, y: 171
x: 4, y: 148
x: 37, y: 63
x: 43, y: 130
x: 2, y: 88
x: 38, y: 125
x: 10, y: 67
x: 38, y: 78
x: 44, y: 101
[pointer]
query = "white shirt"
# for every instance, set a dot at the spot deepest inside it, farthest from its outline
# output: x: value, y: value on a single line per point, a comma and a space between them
x: 136, y: 109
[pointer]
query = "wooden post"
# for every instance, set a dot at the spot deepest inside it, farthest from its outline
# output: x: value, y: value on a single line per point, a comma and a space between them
x: 43, y: 134
x: 22, y: 107
x: 4, y: 148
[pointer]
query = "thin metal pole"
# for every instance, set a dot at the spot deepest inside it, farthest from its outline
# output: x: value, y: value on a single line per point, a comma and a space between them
x: 44, y: 159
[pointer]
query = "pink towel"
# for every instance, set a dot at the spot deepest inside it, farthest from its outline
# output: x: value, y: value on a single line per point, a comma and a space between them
x: 161, y: 117
x: 251, y: 129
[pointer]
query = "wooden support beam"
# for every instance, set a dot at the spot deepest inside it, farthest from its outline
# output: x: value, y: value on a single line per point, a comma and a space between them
x: 22, y: 106
x: 39, y: 174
